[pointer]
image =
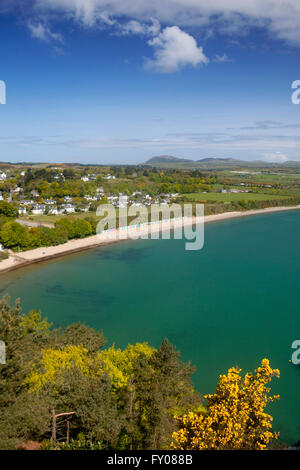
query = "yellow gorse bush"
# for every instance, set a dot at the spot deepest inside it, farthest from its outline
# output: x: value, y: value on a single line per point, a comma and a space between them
x: 119, y: 364
x: 235, y: 417
x: 116, y: 363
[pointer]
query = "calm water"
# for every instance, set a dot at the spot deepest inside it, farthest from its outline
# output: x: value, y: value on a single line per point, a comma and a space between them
x: 234, y: 302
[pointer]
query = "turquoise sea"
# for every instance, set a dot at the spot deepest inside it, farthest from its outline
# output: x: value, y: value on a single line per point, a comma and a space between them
x: 233, y: 303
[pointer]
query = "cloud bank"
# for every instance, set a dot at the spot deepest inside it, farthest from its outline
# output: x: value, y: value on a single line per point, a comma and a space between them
x: 166, y: 24
x: 280, y: 17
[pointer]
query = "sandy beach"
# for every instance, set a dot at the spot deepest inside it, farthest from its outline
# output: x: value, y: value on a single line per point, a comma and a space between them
x: 17, y: 260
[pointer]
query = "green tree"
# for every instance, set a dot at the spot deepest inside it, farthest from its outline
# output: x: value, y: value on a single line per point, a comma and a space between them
x: 14, y: 235
x: 8, y: 210
x: 82, y: 228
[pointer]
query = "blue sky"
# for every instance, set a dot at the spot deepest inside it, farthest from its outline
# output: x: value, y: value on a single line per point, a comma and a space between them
x: 99, y: 81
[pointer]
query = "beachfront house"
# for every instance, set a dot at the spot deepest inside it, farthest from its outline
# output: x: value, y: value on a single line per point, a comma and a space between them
x: 69, y: 208
x: 22, y: 210
x: 54, y: 211
x: 39, y: 209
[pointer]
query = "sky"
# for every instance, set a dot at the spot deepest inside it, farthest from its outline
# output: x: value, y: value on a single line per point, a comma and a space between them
x: 121, y: 81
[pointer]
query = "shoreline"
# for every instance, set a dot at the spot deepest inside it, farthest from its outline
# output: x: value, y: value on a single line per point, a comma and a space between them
x: 37, y: 255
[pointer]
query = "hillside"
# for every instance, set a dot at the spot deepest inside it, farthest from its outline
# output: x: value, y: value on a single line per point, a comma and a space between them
x: 168, y: 161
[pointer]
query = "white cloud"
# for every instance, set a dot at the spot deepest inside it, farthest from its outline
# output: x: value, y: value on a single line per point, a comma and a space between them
x: 174, y: 49
x: 44, y: 33
x: 276, y: 157
x: 280, y: 17
x: 143, y: 29
x: 221, y: 58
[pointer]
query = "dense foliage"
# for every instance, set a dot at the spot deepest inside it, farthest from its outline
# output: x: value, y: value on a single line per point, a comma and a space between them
x: 20, y: 237
x: 122, y: 399
x: 136, y: 398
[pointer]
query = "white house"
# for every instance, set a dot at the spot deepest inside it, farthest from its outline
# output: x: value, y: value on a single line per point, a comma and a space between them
x: 50, y: 202
x: 85, y: 179
x: 54, y: 211
x: 22, y: 210
x: 69, y: 208
x: 26, y: 203
x: 39, y: 209
x: 1, y: 197
x: 1, y: 248
x: 17, y: 190
x: 3, y: 176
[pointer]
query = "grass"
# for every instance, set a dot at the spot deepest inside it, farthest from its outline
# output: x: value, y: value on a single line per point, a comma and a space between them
x: 54, y: 218
x: 229, y: 197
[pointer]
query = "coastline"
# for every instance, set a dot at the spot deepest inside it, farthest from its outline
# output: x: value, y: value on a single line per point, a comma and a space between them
x: 18, y: 260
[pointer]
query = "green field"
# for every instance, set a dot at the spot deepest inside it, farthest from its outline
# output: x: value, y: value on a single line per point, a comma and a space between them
x: 51, y: 219
x: 229, y: 197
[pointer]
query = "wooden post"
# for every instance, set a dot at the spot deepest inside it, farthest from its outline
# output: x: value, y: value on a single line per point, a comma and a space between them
x: 53, y: 438
x: 68, y: 431
x: 54, y: 418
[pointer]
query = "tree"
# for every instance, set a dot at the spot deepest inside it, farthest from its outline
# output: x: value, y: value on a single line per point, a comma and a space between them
x: 81, y: 228
x: 78, y: 334
x: 8, y: 210
x: 14, y: 235
x: 162, y: 387
x: 66, y: 225
x: 235, y: 416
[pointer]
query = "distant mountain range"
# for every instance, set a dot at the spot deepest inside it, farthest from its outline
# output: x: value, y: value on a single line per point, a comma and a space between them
x: 168, y: 161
